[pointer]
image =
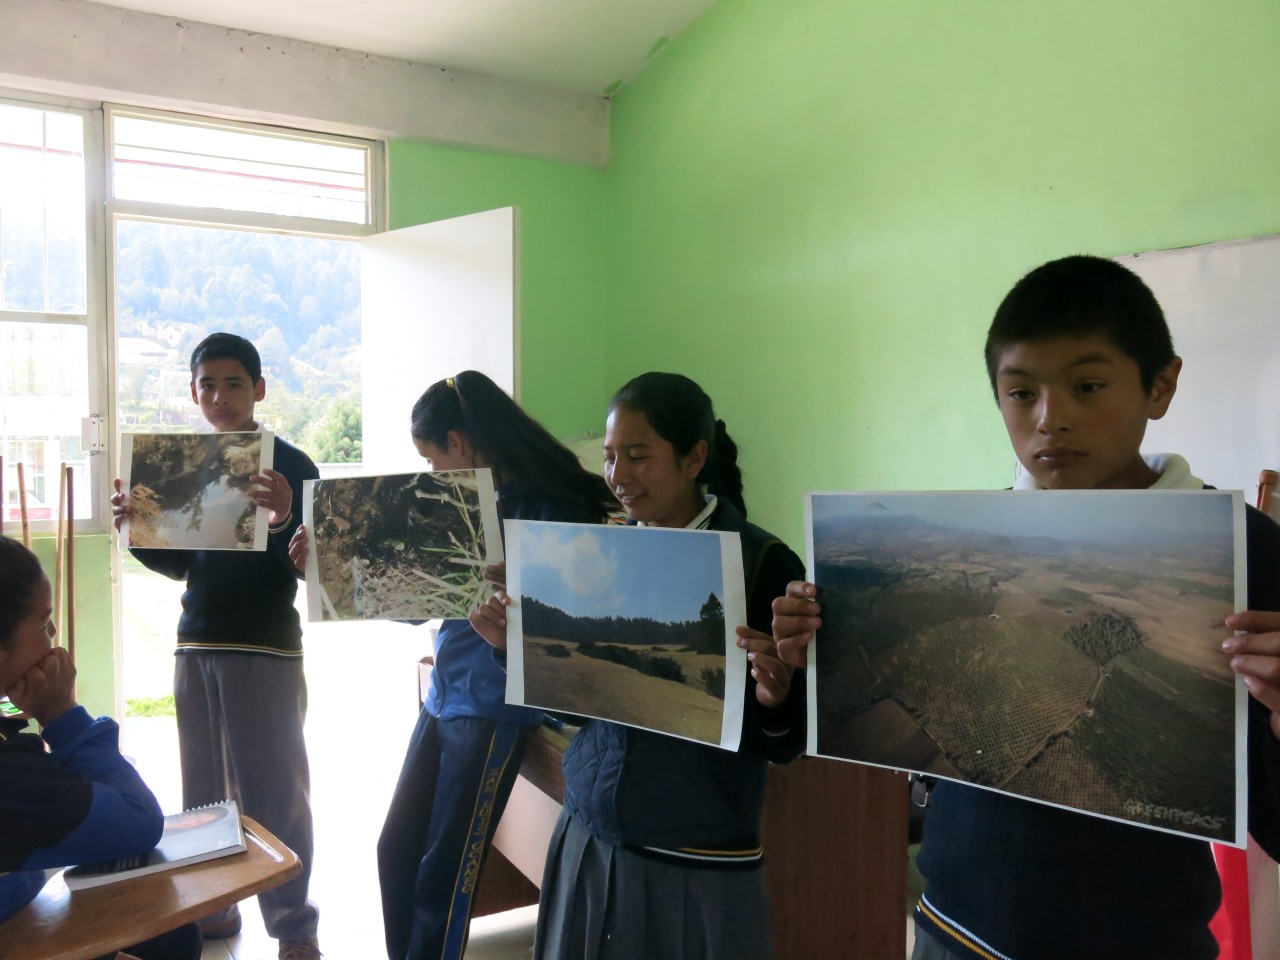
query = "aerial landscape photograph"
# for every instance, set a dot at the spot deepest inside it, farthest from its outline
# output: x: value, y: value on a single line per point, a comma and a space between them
x: 627, y: 624
x: 1059, y: 646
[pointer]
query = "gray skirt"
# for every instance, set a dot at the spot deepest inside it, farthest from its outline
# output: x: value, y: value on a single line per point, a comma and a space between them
x: 605, y: 902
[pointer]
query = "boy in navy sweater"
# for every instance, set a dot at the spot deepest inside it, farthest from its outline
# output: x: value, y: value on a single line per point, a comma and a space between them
x: 238, y: 684
x: 1080, y: 358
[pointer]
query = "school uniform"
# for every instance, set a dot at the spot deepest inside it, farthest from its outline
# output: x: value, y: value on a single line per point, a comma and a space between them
x: 657, y: 852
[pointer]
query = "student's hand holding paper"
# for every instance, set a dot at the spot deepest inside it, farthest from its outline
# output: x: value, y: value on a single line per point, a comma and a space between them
x: 299, y: 547
x: 46, y: 690
x: 274, y: 493
x: 490, y: 621
x: 496, y: 573
x: 120, y: 509
x: 795, y: 618
x: 772, y: 676
x: 1255, y: 655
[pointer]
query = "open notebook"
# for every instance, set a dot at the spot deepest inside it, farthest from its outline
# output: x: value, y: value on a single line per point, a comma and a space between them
x: 202, y: 833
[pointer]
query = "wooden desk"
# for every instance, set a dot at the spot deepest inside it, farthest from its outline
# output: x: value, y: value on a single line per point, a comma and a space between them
x: 59, y: 925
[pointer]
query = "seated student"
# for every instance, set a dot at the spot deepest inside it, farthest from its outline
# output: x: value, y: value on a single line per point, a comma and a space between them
x: 1080, y: 358
x: 81, y: 801
x: 657, y: 852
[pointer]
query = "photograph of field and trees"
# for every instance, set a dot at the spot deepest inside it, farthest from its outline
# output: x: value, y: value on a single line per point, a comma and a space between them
x: 189, y: 491
x: 1059, y: 646
x: 409, y: 546
x: 631, y: 624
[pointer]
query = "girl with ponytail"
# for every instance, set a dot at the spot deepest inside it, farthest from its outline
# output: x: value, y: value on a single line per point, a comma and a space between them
x: 657, y: 852
x: 466, y: 749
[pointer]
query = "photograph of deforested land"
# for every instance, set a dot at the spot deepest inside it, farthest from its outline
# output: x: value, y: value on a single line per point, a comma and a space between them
x: 409, y: 546
x: 630, y: 624
x: 189, y: 491
x: 1060, y: 646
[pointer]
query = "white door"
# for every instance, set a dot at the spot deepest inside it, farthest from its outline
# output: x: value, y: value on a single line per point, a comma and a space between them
x: 435, y: 299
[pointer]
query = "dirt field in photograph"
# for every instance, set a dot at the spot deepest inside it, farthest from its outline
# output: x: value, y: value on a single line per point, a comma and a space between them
x: 610, y: 691
x: 1093, y: 681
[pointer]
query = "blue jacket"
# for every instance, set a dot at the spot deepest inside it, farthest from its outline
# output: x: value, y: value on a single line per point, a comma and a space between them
x: 644, y: 789
x: 79, y: 803
x: 468, y: 680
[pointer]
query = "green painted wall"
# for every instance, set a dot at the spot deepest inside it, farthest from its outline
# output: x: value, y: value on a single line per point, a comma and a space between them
x: 562, y: 224
x: 95, y: 658
x: 815, y: 206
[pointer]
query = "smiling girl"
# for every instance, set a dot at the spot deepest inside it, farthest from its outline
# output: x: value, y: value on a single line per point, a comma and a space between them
x: 657, y: 852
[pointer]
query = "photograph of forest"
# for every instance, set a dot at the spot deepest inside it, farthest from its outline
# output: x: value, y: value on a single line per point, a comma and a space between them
x: 409, y: 546
x: 1062, y: 647
x: 630, y: 624
x: 189, y: 491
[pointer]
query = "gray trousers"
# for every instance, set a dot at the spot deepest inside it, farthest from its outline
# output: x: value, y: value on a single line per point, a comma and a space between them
x: 240, y: 722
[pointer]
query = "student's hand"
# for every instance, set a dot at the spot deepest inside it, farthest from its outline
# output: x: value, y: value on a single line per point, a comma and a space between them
x: 490, y: 621
x: 496, y: 573
x: 45, y: 691
x: 299, y: 547
x: 274, y: 493
x: 1255, y: 655
x: 795, y: 617
x: 772, y: 676
x: 120, y: 509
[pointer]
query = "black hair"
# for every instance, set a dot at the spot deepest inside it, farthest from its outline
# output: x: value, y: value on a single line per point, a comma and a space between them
x: 20, y: 574
x: 227, y: 346
x: 1080, y: 296
x: 681, y: 413
x: 517, y: 445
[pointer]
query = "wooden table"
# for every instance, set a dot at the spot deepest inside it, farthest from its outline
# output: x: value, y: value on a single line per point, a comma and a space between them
x: 60, y: 925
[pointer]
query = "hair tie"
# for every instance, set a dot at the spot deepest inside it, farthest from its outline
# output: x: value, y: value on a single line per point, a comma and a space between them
x: 449, y: 382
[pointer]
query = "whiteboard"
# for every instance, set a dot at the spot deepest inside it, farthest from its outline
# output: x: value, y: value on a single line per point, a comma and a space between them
x: 1222, y: 302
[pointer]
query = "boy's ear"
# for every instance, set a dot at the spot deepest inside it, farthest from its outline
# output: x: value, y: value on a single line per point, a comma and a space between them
x: 259, y: 390
x: 1163, y: 387
x: 194, y: 398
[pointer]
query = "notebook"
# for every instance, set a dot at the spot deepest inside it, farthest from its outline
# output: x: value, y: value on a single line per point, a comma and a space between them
x: 195, y: 835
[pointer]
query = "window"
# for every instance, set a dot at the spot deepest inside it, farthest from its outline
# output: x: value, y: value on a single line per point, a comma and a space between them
x: 249, y: 230
x: 47, y: 303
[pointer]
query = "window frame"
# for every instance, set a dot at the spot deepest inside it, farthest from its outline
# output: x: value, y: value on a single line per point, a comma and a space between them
x: 95, y: 321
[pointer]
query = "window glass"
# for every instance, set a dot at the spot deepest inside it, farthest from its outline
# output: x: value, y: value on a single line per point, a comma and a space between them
x: 44, y: 393
x: 189, y: 164
x: 42, y: 211
x: 296, y: 298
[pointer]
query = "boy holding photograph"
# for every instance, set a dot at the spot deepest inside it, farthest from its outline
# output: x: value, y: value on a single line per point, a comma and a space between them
x: 1080, y: 358
x: 239, y: 688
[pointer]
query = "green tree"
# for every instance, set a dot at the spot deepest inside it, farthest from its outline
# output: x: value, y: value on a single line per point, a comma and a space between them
x: 336, y: 437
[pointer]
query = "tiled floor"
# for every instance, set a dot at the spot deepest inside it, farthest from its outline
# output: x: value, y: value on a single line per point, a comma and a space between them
x: 362, y: 686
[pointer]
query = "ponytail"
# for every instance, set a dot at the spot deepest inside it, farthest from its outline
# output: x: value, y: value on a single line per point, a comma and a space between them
x: 681, y: 413
x: 518, y: 446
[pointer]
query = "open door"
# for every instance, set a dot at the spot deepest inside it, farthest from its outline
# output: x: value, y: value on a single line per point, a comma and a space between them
x: 436, y: 299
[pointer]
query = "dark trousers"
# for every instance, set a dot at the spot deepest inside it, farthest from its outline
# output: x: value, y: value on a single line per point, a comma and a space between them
x: 183, y: 943
x: 453, y: 787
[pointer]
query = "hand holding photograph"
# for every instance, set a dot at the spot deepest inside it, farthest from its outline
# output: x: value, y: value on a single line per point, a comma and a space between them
x: 1063, y: 647
x: 189, y: 491
x: 410, y: 546
x: 630, y: 624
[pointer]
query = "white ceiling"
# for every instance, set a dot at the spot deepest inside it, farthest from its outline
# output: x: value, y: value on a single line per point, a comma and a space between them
x: 585, y: 46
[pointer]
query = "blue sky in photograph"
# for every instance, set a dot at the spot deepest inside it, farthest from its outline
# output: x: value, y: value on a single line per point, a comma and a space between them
x: 627, y: 571
x: 1109, y: 517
